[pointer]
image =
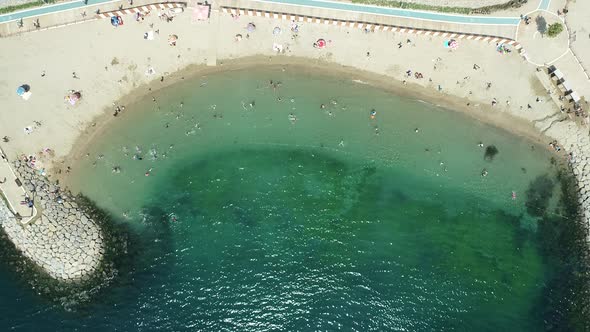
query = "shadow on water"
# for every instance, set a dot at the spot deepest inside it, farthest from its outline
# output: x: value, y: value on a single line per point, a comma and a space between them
x: 124, y: 258
x: 490, y: 153
x: 73, y: 296
x: 538, y: 195
x: 562, y: 234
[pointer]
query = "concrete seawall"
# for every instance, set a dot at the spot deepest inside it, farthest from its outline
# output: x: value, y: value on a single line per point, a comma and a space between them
x: 62, y: 240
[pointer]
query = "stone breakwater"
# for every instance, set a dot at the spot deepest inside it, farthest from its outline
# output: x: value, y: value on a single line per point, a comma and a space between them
x: 62, y: 239
x: 576, y: 141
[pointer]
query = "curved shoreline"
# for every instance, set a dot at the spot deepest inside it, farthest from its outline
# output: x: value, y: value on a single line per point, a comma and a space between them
x: 506, y: 122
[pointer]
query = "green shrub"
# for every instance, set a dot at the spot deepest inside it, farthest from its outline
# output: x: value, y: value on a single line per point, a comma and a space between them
x: 554, y: 29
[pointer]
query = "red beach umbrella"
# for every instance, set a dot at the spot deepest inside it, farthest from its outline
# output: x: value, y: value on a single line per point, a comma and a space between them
x: 321, y: 43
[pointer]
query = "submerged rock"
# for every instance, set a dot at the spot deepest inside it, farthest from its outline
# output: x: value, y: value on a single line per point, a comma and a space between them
x: 490, y: 153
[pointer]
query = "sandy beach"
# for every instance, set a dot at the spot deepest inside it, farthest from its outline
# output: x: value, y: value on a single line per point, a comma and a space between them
x: 109, y: 66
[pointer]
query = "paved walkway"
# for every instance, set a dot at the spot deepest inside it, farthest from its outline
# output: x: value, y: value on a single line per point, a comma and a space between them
x: 334, y: 5
x: 13, y: 192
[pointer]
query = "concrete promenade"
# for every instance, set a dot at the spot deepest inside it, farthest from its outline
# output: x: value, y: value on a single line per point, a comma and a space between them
x: 13, y: 192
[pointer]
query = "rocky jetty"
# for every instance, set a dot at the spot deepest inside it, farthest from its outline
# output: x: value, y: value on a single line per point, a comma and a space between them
x: 576, y: 141
x: 63, y: 240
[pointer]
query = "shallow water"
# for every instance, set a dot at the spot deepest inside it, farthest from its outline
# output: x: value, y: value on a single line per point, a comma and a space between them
x: 250, y: 221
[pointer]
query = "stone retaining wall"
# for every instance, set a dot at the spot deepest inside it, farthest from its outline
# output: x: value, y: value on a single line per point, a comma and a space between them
x: 459, y: 3
x: 9, y: 3
x: 64, y: 241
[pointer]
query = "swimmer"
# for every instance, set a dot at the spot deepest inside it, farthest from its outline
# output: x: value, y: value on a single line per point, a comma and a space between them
x: 416, y: 130
x: 484, y: 172
x: 322, y: 106
x: 252, y: 103
x: 148, y: 172
x: 341, y: 142
x: 292, y: 118
x: 116, y: 169
x: 480, y: 144
x: 330, y: 113
x: 333, y: 102
x: 513, y: 195
x: 373, y: 113
x: 181, y: 104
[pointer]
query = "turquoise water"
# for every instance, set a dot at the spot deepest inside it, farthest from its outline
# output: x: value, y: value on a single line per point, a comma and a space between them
x: 251, y: 220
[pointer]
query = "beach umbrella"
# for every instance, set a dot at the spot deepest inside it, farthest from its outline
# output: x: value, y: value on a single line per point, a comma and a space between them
x: 74, y: 97
x: 320, y: 43
x: 446, y: 43
x: 453, y: 44
x: 251, y: 27
x: 276, y: 31
x: 21, y: 90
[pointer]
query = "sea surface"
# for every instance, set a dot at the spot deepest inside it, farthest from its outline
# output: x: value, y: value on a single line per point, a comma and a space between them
x: 255, y: 208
